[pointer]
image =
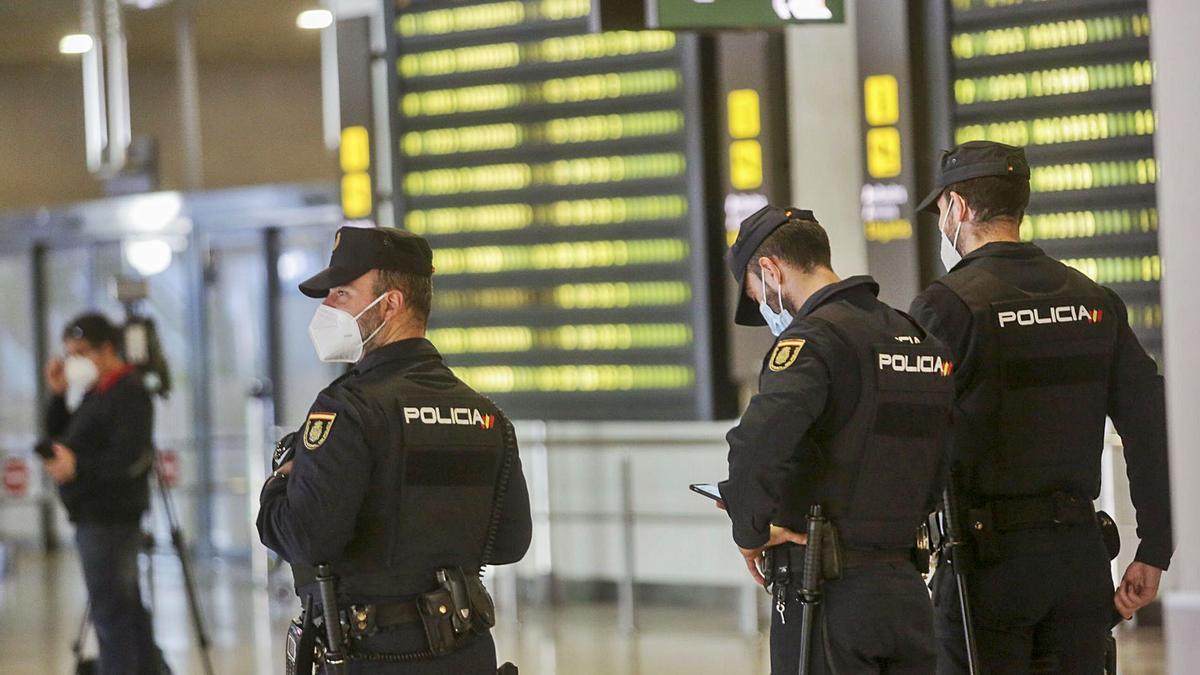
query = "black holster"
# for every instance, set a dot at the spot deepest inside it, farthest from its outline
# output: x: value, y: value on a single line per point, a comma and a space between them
x: 300, y: 644
x: 782, y: 564
x: 457, y: 610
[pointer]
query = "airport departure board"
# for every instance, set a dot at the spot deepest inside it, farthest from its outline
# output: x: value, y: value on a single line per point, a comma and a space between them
x: 557, y: 175
x: 1070, y: 80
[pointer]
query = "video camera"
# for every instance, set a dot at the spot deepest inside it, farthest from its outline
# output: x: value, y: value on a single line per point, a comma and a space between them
x: 142, y: 347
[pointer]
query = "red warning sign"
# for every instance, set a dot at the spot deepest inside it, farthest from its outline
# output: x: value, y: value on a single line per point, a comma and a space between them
x: 168, y: 465
x: 16, y: 476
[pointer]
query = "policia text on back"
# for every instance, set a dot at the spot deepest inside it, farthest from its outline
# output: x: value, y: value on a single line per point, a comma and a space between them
x: 1043, y: 355
x: 842, y: 443
x: 399, y: 487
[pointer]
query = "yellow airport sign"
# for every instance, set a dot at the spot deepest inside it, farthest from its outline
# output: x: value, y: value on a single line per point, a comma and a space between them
x: 355, y: 151
x: 881, y: 100
x: 745, y: 165
x: 883, y: 152
x: 744, y: 115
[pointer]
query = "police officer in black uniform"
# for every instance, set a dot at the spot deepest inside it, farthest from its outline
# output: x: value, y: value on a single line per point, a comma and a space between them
x: 853, y: 403
x: 1043, y: 355
x: 399, y: 475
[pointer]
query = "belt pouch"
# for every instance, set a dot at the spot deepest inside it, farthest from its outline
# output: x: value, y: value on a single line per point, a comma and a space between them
x: 437, y: 612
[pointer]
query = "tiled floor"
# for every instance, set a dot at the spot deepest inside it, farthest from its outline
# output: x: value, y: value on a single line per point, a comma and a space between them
x: 41, y: 601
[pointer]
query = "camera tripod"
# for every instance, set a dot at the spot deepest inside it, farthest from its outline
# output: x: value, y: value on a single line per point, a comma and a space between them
x: 189, y: 580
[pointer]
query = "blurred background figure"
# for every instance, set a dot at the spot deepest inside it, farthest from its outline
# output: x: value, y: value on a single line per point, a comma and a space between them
x: 99, y: 425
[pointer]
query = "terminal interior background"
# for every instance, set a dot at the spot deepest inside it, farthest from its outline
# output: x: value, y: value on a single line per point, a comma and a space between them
x: 578, y: 179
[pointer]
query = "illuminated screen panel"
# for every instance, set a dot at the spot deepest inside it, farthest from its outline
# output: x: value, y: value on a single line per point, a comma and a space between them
x: 1070, y: 80
x: 556, y: 174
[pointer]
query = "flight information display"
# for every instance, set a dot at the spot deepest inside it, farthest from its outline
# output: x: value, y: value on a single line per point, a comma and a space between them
x: 1070, y: 80
x: 557, y: 175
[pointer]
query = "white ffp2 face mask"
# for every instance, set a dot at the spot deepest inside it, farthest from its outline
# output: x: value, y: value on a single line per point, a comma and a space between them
x: 336, y: 336
x: 950, y: 254
x: 777, y: 322
x: 82, y: 374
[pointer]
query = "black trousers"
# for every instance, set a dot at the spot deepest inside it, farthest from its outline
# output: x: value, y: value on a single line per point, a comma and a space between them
x: 875, y: 619
x: 108, y: 553
x: 1047, y: 602
x: 478, y: 657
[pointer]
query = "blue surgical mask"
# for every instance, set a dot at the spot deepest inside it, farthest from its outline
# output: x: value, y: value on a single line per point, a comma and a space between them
x: 776, y: 321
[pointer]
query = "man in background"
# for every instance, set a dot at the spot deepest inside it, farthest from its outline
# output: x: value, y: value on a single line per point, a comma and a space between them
x: 100, y: 423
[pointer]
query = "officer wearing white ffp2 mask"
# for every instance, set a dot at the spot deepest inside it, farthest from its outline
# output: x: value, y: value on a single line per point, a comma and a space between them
x: 1043, y: 356
x: 356, y: 308
x: 398, y: 476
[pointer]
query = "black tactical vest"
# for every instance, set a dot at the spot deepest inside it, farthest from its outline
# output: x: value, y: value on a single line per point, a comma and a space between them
x: 438, y: 453
x: 882, y: 451
x: 1030, y: 418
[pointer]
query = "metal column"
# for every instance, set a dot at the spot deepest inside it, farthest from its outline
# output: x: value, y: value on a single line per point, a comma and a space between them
x: 200, y: 372
x: 41, y: 333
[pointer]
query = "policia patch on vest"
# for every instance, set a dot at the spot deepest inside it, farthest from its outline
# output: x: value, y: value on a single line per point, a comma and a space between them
x: 785, y: 354
x: 316, y: 430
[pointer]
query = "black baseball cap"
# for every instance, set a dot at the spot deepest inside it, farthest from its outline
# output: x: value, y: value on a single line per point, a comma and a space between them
x: 975, y: 159
x: 752, y: 233
x: 358, y: 250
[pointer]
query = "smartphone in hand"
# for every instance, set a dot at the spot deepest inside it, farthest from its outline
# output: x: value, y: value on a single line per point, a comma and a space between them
x: 708, y: 490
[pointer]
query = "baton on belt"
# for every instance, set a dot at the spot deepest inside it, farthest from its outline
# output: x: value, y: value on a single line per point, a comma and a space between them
x: 810, y: 586
x: 335, y: 660
x: 955, y: 547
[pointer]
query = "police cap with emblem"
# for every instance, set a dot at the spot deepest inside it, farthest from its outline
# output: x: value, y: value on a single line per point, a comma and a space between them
x: 975, y: 159
x: 358, y: 250
x: 754, y: 231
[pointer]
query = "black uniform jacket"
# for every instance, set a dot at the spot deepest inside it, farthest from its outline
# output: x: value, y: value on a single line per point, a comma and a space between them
x: 111, y: 435
x: 1135, y: 401
x: 809, y: 386
x: 338, y: 507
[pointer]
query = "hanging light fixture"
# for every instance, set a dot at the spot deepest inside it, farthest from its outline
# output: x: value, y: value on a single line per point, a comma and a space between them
x: 314, y: 19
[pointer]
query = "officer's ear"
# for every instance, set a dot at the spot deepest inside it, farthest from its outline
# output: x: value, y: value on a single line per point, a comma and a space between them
x: 957, y: 204
x: 770, y: 269
x: 394, y: 304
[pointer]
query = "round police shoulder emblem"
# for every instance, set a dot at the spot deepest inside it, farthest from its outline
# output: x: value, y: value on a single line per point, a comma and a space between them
x: 317, y: 428
x: 785, y: 354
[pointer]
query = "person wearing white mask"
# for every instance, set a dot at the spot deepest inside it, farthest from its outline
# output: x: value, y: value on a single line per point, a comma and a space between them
x: 100, y: 423
x: 398, y: 476
x: 1044, y: 354
x: 852, y: 406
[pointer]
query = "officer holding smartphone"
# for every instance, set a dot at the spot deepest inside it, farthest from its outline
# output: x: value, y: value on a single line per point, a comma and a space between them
x: 854, y: 398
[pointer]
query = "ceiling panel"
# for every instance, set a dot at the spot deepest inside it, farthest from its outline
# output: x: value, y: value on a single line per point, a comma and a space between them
x: 227, y: 31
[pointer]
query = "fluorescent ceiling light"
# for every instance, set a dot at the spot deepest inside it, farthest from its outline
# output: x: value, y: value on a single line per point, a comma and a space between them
x: 145, y: 4
x: 315, y: 19
x: 76, y: 43
x: 153, y: 211
x: 148, y: 256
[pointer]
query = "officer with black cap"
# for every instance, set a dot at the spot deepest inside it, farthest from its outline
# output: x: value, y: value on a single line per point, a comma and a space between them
x: 402, y: 480
x: 851, y: 412
x: 1043, y: 355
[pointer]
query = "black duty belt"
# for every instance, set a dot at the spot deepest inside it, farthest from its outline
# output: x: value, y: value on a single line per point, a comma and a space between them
x: 850, y: 557
x: 857, y: 558
x: 366, y: 619
x: 1025, y: 513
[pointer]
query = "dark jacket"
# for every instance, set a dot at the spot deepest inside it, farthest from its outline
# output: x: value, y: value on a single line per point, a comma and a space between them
x: 1131, y: 390
x: 393, y: 477
x: 111, y: 435
x: 844, y: 417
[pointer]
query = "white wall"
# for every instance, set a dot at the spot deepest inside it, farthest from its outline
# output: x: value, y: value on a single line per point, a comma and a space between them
x: 1177, y: 146
x: 575, y: 476
x: 826, y: 141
